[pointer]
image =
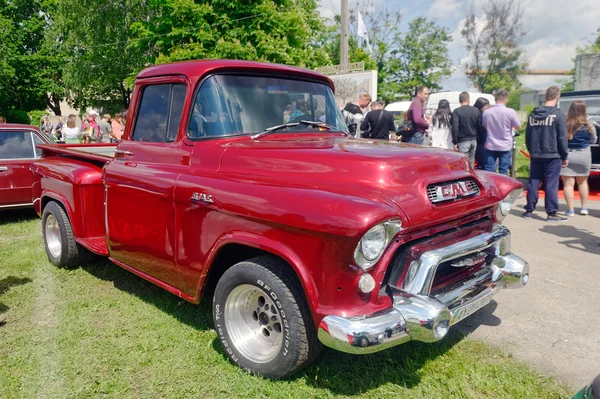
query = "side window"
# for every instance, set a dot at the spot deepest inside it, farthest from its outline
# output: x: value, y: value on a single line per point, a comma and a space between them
x: 177, y: 102
x: 16, y: 145
x: 36, y: 141
x: 159, y: 114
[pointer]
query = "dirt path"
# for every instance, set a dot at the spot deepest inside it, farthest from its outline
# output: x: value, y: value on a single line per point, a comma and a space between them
x: 553, y: 324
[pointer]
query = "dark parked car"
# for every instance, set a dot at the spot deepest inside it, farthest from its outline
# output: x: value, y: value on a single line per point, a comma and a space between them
x: 17, y: 153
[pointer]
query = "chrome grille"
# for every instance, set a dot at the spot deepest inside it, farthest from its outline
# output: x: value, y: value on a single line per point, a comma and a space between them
x: 448, y: 191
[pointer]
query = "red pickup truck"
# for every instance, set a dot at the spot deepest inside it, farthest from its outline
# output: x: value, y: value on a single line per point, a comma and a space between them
x: 237, y: 181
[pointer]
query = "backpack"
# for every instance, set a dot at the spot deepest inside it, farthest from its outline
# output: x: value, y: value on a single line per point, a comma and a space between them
x: 406, y: 130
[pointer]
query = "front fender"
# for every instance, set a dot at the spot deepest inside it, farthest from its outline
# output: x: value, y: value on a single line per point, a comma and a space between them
x: 268, y: 245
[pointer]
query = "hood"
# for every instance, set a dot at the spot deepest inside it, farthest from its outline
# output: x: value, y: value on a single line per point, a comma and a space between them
x: 374, y: 170
x: 542, y: 112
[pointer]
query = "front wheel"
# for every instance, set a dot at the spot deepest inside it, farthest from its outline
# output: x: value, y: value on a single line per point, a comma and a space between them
x: 262, y: 318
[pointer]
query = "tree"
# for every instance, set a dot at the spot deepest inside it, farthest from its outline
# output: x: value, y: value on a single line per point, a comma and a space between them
x: 25, y: 68
x: 106, y: 48
x: 496, y: 60
x: 420, y: 58
x: 285, y: 31
x: 96, y: 50
x: 383, y: 28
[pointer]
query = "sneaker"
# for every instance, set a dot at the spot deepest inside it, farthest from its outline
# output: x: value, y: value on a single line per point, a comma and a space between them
x: 556, y: 218
x: 584, y: 211
x: 528, y: 215
x: 570, y: 213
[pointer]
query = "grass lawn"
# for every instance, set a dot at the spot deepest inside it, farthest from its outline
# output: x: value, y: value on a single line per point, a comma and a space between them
x: 522, y: 162
x: 99, y: 331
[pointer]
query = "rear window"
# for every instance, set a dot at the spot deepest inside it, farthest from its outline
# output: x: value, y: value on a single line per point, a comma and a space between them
x: 16, y: 145
x: 592, y: 104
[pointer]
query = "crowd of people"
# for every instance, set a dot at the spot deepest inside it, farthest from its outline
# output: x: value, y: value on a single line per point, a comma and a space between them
x: 108, y: 129
x: 559, y: 145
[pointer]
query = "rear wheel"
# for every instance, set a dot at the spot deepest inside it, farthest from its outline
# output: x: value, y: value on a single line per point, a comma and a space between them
x: 262, y: 318
x: 61, y: 248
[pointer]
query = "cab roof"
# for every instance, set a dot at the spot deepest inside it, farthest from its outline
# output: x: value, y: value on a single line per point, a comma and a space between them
x: 198, y: 68
x: 17, y: 126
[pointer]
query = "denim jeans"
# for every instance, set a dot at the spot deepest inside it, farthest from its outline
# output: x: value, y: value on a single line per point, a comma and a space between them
x: 503, y: 158
x: 480, y: 156
x: 549, y: 171
x: 417, y: 138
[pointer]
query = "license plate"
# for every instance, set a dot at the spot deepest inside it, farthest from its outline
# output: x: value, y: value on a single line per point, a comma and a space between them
x: 471, y: 308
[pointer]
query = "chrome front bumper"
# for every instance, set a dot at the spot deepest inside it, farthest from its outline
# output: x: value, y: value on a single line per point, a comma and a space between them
x: 417, y: 315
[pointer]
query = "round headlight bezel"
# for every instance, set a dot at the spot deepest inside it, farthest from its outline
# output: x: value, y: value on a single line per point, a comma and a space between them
x: 377, y: 237
x: 505, y: 206
x: 388, y: 231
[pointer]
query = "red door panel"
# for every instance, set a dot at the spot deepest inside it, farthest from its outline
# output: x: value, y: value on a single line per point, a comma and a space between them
x: 16, y: 155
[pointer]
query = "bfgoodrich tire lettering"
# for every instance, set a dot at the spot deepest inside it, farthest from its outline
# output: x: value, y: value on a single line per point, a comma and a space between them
x: 61, y: 248
x: 262, y: 302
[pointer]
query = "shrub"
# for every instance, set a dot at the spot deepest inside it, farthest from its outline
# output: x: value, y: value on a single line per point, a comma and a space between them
x: 16, y: 116
x: 36, y: 115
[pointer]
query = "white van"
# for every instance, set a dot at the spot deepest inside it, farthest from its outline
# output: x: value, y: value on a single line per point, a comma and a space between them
x: 398, y: 108
x: 452, y: 97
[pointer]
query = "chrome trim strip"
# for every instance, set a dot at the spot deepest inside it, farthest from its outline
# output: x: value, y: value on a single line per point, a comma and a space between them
x: 16, y: 205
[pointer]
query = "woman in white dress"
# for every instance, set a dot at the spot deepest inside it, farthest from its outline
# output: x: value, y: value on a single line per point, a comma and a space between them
x: 71, y: 132
x: 440, y: 129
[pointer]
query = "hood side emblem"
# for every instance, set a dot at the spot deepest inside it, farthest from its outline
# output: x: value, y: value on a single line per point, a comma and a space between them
x: 201, y: 197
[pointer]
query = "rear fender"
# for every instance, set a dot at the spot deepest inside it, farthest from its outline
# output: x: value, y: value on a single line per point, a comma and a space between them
x: 65, y: 204
x: 77, y: 186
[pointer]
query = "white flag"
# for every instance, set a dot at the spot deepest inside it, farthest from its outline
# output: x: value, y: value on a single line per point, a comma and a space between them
x: 362, y: 32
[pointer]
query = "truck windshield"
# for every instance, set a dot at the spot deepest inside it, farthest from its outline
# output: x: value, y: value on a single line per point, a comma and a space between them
x: 228, y: 105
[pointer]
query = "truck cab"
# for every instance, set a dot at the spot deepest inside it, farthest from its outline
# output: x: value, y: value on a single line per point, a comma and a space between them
x: 238, y: 181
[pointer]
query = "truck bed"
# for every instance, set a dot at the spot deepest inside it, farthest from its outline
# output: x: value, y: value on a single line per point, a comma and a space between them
x: 93, y: 152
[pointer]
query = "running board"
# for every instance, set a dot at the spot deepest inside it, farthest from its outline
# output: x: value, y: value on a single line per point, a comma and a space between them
x: 95, y: 244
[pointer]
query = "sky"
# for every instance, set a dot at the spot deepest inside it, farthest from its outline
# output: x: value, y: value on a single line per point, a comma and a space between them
x: 554, y: 28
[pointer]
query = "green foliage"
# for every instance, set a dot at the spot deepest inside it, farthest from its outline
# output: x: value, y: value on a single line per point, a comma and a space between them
x: 16, y: 116
x: 36, y: 116
x: 105, y: 49
x: 24, y: 67
x: 514, y: 99
x: 420, y: 58
x: 285, y: 31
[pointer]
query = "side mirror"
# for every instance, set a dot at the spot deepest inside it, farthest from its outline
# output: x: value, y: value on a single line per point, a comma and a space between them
x: 352, y: 128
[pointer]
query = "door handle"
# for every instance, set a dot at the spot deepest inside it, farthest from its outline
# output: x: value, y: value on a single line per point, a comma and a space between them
x: 121, y: 153
x: 3, y: 168
x: 131, y: 164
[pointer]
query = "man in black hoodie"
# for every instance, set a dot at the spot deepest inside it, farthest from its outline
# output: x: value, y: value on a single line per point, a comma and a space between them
x: 546, y: 140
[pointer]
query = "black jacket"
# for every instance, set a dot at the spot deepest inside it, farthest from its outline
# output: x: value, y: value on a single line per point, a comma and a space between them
x: 466, y: 123
x: 546, y: 133
x: 379, y: 123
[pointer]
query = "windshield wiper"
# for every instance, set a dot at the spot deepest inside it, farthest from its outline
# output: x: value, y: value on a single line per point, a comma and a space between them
x: 272, y: 129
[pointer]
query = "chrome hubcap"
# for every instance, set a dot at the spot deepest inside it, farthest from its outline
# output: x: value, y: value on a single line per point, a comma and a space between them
x: 53, y: 236
x: 253, y: 323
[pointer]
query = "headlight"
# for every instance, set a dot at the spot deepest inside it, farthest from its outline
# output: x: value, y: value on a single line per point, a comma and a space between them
x: 506, y: 204
x: 374, y: 242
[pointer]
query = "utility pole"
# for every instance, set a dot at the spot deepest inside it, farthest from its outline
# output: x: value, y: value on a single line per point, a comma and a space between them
x: 344, y: 53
